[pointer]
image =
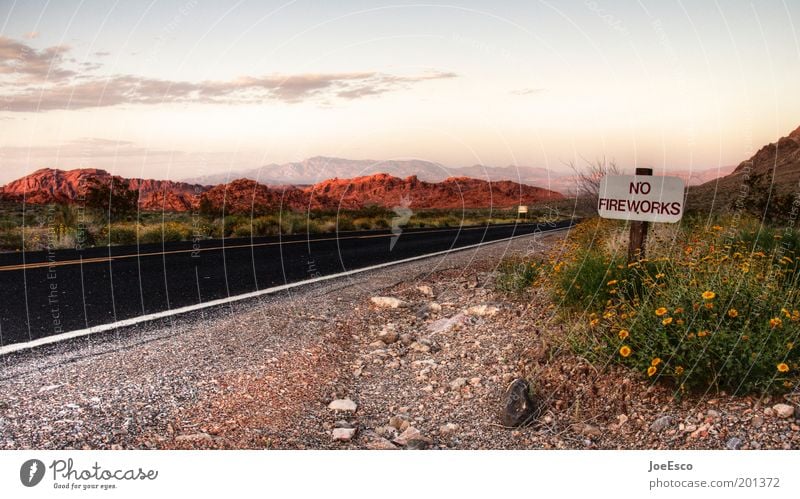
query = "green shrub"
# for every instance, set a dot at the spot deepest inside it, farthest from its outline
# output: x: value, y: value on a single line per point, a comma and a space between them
x: 122, y: 235
x: 516, y: 275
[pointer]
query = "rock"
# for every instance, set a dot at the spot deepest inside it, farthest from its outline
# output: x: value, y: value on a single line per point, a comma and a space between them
x: 420, y: 347
x: 386, y: 431
x: 344, y: 405
x: 701, y: 432
x: 734, y: 443
x: 483, y: 310
x: 783, y: 411
x: 757, y: 421
x: 406, y: 339
x: 388, y: 335
x: 375, y: 442
x: 343, y: 424
x: 387, y: 302
x: 398, y: 422
x: 446, y: 324
x: 48, y: 388
x: 433, y: 307
x: 343, y: 434
x: 448, y: 429
x: 458, y: 383
x: 425, y: 290
x: 712, y: 413
x: 194, y: 437
x: 769, y: 412
x: 661, y: 424
x: 418, y: 444
x: 409, y: 435
x: 475, y: 381
x: 517, y: 406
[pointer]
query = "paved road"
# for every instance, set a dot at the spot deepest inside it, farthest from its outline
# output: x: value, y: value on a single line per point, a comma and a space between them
x: 42, y: 294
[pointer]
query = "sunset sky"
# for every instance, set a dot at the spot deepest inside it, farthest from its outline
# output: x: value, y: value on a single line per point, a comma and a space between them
x: 175, y: 89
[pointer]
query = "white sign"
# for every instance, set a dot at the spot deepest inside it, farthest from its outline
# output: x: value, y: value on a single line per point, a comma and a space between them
x: 522, y: 209
x: 641, y: 197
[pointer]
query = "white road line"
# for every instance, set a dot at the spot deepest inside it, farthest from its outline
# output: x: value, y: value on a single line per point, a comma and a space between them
x: 16, y: 347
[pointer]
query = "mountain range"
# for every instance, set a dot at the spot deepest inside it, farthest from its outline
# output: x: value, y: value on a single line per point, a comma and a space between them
x: 47, y: 186
x: 319, y: 168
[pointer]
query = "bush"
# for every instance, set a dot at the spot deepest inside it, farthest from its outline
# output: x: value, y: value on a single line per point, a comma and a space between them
x: 516, y: 275
x: 168, y: 232
x: 124, y: 235
x: 710, y: 314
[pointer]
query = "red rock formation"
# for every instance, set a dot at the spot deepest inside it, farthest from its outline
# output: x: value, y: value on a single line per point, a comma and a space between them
x: 246, y: 196
x: 57, y: 186
x: 452, y: 193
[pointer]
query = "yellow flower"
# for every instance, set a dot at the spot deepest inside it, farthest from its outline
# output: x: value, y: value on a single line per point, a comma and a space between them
x: 659, y: 275
x: 655, y: 361
x: 786, y: 313
x: 709, y: 295
x: 702, y: 334
x: 661, y: 311
x: 611, y: 282
x: 733, y: 313
x: 651, y: 370
x: 782, y: 367
x: 775, y: 322
x: 667, y: 321
x: 709, y: 305
x: 789, y: 345
x: 678, y: 310
x: 678, y: 370
x: 623, y: 334
x: 625, y: 351
x: 594, y: 322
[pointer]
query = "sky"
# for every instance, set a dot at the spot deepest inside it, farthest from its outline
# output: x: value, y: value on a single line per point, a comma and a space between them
x: 176, y: 89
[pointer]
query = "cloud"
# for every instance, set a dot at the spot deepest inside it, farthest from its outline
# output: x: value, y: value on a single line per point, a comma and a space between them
x: 44, y: 80
x: 30, y: 35
x: 24, y: 64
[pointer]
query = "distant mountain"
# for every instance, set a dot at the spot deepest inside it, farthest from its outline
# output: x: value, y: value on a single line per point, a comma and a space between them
x: 244, y: 195
x: 48, y: 185
x: 319, y: 168
x: 765, y: 183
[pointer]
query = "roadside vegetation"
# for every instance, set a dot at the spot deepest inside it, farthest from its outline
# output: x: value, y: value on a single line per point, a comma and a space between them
x: 68, y: 226
x: 715, y: 305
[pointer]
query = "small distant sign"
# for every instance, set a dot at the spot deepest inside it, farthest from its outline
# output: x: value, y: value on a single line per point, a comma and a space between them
x: 641, y: 197
x: 522, y: 209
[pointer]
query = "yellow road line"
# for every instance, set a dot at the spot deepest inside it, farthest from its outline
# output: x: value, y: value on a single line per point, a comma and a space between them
x: 39, y: 265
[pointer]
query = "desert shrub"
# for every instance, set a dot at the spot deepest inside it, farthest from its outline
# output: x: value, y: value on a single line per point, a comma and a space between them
x: 515, y: 275
x: 11, y: 239
x: 710, y: 313
x: 266, y: 226
x: 363, y: 223
x: 344, y: 223
x: 168, y: 232
x: 122, y: 235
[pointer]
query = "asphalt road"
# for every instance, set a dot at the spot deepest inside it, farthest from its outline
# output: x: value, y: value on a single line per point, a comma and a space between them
x: 47, y: 293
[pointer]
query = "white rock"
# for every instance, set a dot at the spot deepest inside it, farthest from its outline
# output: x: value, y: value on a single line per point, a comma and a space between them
x: 387, y: 302
x: 388, y: 335
x: 446, y: 324
x: 425, y: 290
x: 48, y: 388
x: 345, y: 405
x: 343, y: 434
x: 784, y: 411
x: 458, y: 383
x: 483, y: 310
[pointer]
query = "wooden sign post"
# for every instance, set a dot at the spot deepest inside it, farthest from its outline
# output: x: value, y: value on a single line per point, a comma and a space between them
x: 640, y: 199
x: 638, y: 234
